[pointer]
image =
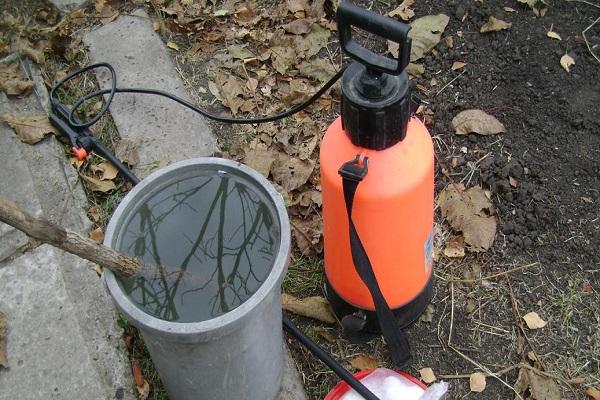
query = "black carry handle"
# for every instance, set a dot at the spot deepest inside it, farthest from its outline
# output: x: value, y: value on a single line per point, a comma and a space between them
x: 349, y: 15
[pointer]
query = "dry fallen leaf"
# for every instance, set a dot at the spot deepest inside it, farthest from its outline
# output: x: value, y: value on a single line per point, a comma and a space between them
x: 319, y: 69
x: 136, y: 370
x: 415, y: 69
x: 173, y: 45
x: 231, y: 91
x: 13, y: 82
x: 97, y: 235
x: 403, y: 11
x: 260, y: 159
x: 577, y: 380
x: 315, y: 307
x: 458, y: 65
x: 99, y: 5
x: 364, y: 362
x: 533, y: 320
x: 593, y: 393
x: 509, y: 9
x: 107, y: 14
x: 97, y: 185
x: 428, y: 314
x: 553, y: 35
x: 298, y: 26
x: 239, y: 52
x: 540, y: 387
x: 566, y: 61
x: 24, y: 47
x: 494, y: 25
x: 76, y: 162
x: 476, y: 121
x: 313, y: 42
x: 455, y: 247
x: 94, y: 213
x: 470, y: 212
x: 290, y: 172
x: 3, y: 357
x: 308, y: 233
x: 29, y: 129
x: 477, y: 382
x: 106, y: 169
x: 427, y: 375
x: 143, y: 390
x: 426, y: 32
x: 297, y: 6
x: 449, y: 41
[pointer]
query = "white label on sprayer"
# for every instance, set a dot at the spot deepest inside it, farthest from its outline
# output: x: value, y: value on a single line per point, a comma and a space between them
x: 429, y: 252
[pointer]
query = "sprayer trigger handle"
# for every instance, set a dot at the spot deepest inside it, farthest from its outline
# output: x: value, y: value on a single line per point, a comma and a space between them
x: 349, y: 15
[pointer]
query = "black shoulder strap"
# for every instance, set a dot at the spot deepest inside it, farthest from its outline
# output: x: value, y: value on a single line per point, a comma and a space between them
x: 352, y: 174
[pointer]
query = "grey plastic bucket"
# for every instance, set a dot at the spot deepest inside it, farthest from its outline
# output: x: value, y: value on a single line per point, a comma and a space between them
x: 235, y: 356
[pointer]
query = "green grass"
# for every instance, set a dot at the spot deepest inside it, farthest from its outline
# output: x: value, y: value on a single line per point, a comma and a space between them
x: 304, y: 276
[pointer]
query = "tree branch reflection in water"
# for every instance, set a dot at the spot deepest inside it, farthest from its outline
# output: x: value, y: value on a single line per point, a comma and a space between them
x: 213, y: 240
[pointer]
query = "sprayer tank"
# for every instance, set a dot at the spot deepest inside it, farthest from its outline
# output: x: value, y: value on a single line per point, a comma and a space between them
x: 393, y: 214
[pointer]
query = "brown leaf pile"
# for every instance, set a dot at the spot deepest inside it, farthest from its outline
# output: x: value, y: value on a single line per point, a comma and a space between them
x: 275, y: 58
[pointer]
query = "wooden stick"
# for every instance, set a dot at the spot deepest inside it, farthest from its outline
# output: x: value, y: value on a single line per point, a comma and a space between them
x: 68, y: 241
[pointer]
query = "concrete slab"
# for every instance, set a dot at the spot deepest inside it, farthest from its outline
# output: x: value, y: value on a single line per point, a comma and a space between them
x: 44, y: 343
x: 53, y: 299
x: 162, y: 130
x: 66, y: 6
x: 291, y: 385
x: 15, y: 180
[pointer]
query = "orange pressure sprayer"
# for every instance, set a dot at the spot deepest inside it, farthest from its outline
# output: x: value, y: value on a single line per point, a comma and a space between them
x: 377, y: 184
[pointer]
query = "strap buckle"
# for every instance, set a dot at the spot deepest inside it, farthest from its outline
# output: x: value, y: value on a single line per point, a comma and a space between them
x: 353, y: 169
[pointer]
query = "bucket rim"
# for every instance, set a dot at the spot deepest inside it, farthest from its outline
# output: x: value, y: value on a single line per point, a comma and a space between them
x: 222, y: 323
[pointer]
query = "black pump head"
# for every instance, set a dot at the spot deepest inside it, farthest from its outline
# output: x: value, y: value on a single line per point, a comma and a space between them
x: 375, y: 89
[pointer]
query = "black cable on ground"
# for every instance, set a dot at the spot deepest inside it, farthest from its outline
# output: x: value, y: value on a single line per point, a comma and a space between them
x: 332, y: 363
x: 114, y: 89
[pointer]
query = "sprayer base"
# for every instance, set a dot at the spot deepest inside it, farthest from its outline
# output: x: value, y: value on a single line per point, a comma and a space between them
x: 405, y: 315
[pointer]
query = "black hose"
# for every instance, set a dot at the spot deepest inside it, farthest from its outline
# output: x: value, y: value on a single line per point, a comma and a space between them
x: 322, y: 355
x: 114, y: 89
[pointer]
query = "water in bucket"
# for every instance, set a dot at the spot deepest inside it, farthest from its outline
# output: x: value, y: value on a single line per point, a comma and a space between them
x: 213, y: 240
